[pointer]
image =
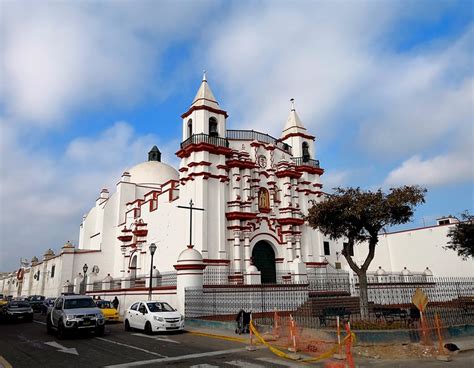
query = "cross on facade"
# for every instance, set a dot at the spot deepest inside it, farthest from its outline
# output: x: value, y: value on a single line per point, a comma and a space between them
x: 191, y: 208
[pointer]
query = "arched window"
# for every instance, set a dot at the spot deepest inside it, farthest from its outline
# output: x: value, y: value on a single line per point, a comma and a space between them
x: 190, y: 128
x: 263, y: 200
x: 305, y: 148
x: 213, y: 127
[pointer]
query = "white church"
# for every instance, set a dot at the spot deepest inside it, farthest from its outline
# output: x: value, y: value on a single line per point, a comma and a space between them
x: 249, y: 192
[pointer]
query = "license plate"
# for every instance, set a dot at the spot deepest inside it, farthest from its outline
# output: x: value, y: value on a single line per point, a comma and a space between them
x: 20, y: 317
x: 173, y: 324
x: 86, y: 323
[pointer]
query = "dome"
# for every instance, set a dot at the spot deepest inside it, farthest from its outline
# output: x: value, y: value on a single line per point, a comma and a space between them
x: 152, y: 172
x: 190, y: 255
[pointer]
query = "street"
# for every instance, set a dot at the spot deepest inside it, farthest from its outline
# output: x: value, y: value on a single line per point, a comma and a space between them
x: 28, y: 345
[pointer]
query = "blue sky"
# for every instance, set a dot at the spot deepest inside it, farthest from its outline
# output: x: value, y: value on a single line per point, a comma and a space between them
x: 88, y: 87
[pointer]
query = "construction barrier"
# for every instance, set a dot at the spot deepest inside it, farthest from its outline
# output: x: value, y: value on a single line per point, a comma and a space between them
x: 295, y: 342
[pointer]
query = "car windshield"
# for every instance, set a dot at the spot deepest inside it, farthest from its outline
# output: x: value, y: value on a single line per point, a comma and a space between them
x: 160, y: 307
x: 79, y: 303
x: 19, y: 305
x: 104, y: 305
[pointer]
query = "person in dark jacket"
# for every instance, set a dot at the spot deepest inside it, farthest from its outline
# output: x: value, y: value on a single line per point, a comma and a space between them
x: 115, y: 303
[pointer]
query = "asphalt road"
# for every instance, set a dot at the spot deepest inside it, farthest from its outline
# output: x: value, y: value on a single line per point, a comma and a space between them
x: 28, y: 345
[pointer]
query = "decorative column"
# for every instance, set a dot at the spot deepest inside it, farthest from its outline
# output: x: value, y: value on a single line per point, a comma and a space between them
x: 298, y: 246
x: 237, y: 259
x: 289, y: 249
x: 247, y: 249
x: 190, y: 268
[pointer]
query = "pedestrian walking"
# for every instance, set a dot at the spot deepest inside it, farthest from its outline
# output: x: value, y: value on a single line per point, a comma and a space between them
x: 115, y: 303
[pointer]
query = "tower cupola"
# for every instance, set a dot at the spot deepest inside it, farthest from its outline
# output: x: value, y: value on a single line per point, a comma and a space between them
x: 204, y: 117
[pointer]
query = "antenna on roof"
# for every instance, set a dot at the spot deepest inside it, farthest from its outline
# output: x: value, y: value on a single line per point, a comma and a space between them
x: 292, y: 104
x: 204, y: 76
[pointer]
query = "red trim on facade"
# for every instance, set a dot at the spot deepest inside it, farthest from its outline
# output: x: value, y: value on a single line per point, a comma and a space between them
x: 290, y: 221
x: 189, y: 267
x: 202, y: 163
x: 288, y: 173
x: 240, y: 164
x: 218, y: 150
x: 203, y: 107
x: 240, y: 216
x: 216, y: 261
x: 310, y: 169
x: 289, y: 135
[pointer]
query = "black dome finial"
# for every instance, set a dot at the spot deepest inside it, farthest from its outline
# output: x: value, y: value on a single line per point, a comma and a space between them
x: 154, y: 154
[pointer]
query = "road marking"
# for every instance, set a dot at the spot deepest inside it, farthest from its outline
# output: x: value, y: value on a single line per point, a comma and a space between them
x: 241, y: 363
x: 41, y: 323
x: 174, y: 359
x: 132, y: 347
x: 280, y: 362
x: 4, y: 363
x: 204, y: 366
x: 166, y: 339
x: 62, y: 349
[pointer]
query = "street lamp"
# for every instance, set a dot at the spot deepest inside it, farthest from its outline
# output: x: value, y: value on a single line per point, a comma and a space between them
x: 152, y: 252
x: 84, y: 268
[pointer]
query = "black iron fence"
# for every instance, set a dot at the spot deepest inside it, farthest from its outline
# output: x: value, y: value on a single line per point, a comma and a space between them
x: 250, y: 135
x: 164, y: 279
x: 302, y: 161
x: 205, y: 138
x: 321, y: 301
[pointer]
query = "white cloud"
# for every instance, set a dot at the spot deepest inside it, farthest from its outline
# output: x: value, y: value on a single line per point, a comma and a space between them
x: 43, y: 196
x: 59, y: 57
x: 437, y: 171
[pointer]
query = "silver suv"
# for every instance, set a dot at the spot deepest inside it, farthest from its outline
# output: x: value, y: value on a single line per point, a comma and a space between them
x: 74, y: 313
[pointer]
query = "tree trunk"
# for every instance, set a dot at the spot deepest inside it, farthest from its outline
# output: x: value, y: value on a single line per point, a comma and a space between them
x: 363, y: 295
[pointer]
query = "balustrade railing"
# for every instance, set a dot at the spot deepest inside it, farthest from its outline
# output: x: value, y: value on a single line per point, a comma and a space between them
x: 250, y: 135
x: 205, y: 138
x: 303, y: 161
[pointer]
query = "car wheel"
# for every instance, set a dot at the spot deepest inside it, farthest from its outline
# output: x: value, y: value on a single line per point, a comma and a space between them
x: 127, y: 325
x: 49, y: 326
x: 148, y: 329
x: 61, y: 331
x: 99, y: 331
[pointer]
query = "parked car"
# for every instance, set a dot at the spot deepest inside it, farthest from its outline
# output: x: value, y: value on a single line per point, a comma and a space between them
x: 108, y: 310
x: 16, y: 310
x: 74, y: 313
x: 36, y: 302
x: 153, y: 316
x: 47, y: 303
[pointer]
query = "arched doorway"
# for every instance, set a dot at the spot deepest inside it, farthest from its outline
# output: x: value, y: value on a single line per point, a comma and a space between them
x: 263, y: 258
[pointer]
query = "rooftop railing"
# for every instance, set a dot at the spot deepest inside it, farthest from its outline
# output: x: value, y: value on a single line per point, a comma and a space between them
x: 303, y: 161
x: 205, y: 138
x: 251, y: 135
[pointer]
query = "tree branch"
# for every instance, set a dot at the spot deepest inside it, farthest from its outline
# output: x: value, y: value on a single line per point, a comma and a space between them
x: 370, y: 256
x: 350, y: 261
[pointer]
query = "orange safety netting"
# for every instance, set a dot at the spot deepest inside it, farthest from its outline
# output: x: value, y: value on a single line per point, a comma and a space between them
x: 286, y: 339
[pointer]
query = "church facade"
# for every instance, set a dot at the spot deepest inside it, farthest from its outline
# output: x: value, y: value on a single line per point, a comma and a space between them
x: 250, y: 192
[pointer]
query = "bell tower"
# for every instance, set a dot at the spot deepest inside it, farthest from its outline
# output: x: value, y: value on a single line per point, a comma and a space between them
x: 296, y: 135
x: 203, y: 175
x: 204, y: 115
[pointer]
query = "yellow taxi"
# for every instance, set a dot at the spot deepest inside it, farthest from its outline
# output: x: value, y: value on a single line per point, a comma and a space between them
x: 108, y: 310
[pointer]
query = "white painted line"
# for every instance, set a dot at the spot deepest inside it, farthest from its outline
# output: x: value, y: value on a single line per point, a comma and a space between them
x: 282, y: 362
x: 164, y: 338
x: 132, y: 347
x: 241, y: 363
x: 174, y: 359
x: 41, y: 323
x: 62, y: 349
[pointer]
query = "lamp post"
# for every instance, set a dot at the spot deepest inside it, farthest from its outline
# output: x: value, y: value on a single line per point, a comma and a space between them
x: 84, y: 268
x: 152, y: 252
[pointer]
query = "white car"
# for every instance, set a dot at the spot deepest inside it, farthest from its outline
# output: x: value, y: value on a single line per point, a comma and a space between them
x: 153, y: 316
